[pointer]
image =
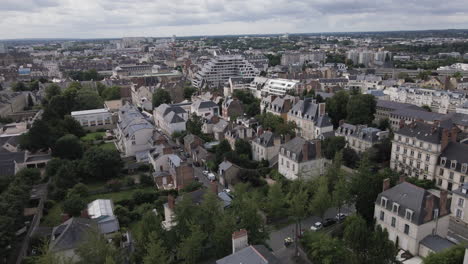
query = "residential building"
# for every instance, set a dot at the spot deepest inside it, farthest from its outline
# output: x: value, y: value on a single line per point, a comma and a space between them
x: 219, y: 69
x: 360, y: 137
x: 459, y: 203
x: 299, y: 158
x: 279, y: 86
x: 251, y: 255
x: 401, y: 117
x: 191, y: 142
x: 232, y: 107
x: 171, y: 171
x: 281, y: 105
x: 236, y: 83
x: 134, y: 133
x: 204, y: 108
x: 384, y: 108
x: 228, y: 174
x: 142, y: 96
x: 410, y: 214
x: 451, y: 170
x: 301, y: 58
x: 170, y: 118
x: 94, y: 119
x: 416, y: 148
x: 266, y: 146
x: 238, y: 132
x: 310, y: 118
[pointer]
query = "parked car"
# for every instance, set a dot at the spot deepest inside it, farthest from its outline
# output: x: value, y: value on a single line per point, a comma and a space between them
x: 340, y: 217
x: 329, y: 222
x: 211, y: 176
x: 317, y: 226
x: 228, y: 191
x: 288, y: 241
x: 205, y: 172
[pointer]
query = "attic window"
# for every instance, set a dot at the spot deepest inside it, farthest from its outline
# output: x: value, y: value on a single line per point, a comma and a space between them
x: 453, y: 164
x: 294, y: 155
x: 443, y: 161
x: 464, y: 167
x: 395, y: 207
x: 383, y: 202
x: 409, y: 214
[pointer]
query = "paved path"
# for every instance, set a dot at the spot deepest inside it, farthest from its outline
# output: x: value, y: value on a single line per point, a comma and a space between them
x: 458, y: 232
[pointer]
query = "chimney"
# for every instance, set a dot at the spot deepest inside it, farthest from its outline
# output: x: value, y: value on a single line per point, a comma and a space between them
x: 214, y: 187
x: 240, y: 240
x: 443, y: 203
x: 454, y: 134
x: 402, y: 179
x: 318, y: 149
x: 445, y: 138
x: 305, y: 151
x: 277, y: 141
x: 287, y: 137
x: 341, y: 122
x: 259, y: 131
x: 171, y: 201
x: 429, y: 208
x: 386, y: 184
x: 322, y: 109
x: 402, y: 123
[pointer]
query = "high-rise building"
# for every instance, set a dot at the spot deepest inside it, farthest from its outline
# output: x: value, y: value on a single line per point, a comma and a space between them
x: 3, y: 48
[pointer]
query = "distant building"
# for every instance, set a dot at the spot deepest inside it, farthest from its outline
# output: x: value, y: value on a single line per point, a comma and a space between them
x: 102, y: 211
x: 300, y: 158
x: 360, y: 137
x: 170, y: 118
x: 94, y: 119
x: 311, y: 119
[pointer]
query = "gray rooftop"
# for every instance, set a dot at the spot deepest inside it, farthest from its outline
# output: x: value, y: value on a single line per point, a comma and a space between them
x: 71, y: 233
x: 296, y: 146
x: 257, y: 254
x: 436, y: 243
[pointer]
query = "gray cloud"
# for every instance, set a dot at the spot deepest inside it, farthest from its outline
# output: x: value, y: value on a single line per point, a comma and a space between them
x: 116, y: 18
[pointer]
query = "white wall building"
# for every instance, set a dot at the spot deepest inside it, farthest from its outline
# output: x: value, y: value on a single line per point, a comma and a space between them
x: 94, y: 119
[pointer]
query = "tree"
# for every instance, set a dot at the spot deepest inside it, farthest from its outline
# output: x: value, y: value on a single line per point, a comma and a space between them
x: 111, y: 93
x: 160, y: 97
x: 194, y: 125
x: 30, y: 101
x: 276, y: 201
x: 350, y: 158
x: 332, y: 145
x: 156, y: 253
x: 337, y: 107
x: 38, y: 137
x: 243, y: 148
x: 298, y: 209
x: 87, y: 99
x: 384, y: 124
x: 80, y: 190
x: 96, y: 250
x: 382, y: 250
x: 68, y: 147
x: 361, y: 109
x: 453, y: 255
x: 72, y: 126
x: 19, y: 87
x: 457, y: 75
x: 322, y: 249
x: 73, y: 205
x: 427, y: 108
x: 190, y: 248
x: 101, y: 163
x: 221, y: 237
x: 188, y: 92
x: 321, y: 200
x: 356, y: 234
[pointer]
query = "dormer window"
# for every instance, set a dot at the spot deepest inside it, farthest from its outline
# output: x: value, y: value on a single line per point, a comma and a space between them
x: 443, y: 161
x: 383, y: 202
x: 453, y: 165
x: 464, y: 167
x: 294, y: 155
x: 409, y: 214
x: 288, y: 153
x: 395, y: 207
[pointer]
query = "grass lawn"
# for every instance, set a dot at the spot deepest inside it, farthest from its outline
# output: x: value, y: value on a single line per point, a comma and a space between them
x: 108, y: 146
x: 93, y: 136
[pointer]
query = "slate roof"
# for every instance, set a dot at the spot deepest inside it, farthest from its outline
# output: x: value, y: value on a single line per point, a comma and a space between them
x: 267, y: 139
x: 408, y: 196
x: 418, y: 114
x: 203, y: 104
x: 295, y: 146
x: 436, y: 243
x: 71, y: 233
x: 457, y: 152
x: 422, y: 131
x: 395, y: 105
x: 306, y: 109
x: 257, y: 254
x: 323, y: 121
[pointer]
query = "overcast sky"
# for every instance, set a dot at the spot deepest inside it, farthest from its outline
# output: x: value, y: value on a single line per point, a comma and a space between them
x: 160, y: 18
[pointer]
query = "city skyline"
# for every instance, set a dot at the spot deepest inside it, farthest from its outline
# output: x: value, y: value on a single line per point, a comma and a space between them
x: 113, y: 19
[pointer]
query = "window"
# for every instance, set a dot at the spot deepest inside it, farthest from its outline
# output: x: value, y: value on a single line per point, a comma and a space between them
x: 397, y: 157
x: 406, y: 229
x: 382, y: 216
x: 412, y: 153
x: 287, y: 164
x: 443, y: 161
x: 462, y: 179
x: 408, y: 214
x: 427, y: 157
x: 451, y: 175
x: 393, y: 221
x: 420, y: 144
x: 281, y: 161
x: 405, y: 151
x: 395, y: 207
x: 459, y: 213
x: 441, y: 171
x: 464, y: 168
x: 439, y: 182
x: 383, y: 202
x: 426, y: 167
x: 461, y: 202
x: 449, y: 186
x: 294, y: 167
x: 429, y: 146
x: 398, y: 148
x: 419, y: 155
x: 453, y: 164
x: 399, y: 138
x: 407, y: 140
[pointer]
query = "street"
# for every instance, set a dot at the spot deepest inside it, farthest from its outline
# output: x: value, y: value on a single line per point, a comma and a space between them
x: 458, y: 233
x: 276, y: 241
x: 198, y: 172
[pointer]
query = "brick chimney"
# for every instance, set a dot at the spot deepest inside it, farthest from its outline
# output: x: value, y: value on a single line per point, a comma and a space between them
x: 214, y: 187
x: 277, y: 141
x: 322, y: 109
x: 454, y: 134
x: 445, y: 138
x: 386, y: 184
x: 318, y: 149
x: 171, y: 201
x: 287, y: 137
x: 443, y: 203
x: 429, y: 208
x: 240, y: 240
x: 259, y: 131
x: 305, y: 151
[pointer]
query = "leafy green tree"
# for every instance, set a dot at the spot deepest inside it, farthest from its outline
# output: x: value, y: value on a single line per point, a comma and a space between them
x: 382, y: 250
x: 384, y: 124
x: 19, y: 87
x: 194, y: 125
x: 357, y: 235
x: 337, y: 107
x: 243, y: 148
x: 322, y: 199
x: 332, y: 145
x: 68, y: 147
x: 191, y: 248
x: 101, y: 163
x: 38, y: 137
x: 322, y: 249
x: 96, y: 250
x: 156, y: 252
x: 160, y: 97
x: 350, y: 158
x: 427, y: 108
x: 71, y: 126
x: 188, y: 92
x: 80, y: 190
x: 87, y: 99
x: 221, y: 237
x: 276, y: 205
x: 453, y: 255
x: 457, y: 75
x: 361, y: 109
x: 73, y: 205
x: 111, y: 93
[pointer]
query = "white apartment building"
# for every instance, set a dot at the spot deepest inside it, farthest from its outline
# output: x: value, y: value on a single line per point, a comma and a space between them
x: 460, y: 204
x: 94, y: 119
x: 219, y: 69
x: 439, y: 101
x: 279, y: 86
x: 360, y: 137
x: 170, y: 118
x: 299, y: 158
x: 412, y: 214
x: 300, y: 58
x: 452, y: 166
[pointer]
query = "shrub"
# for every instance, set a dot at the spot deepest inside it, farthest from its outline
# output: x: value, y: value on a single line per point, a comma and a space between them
x: 114, y: 185
x: 146, y: 180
